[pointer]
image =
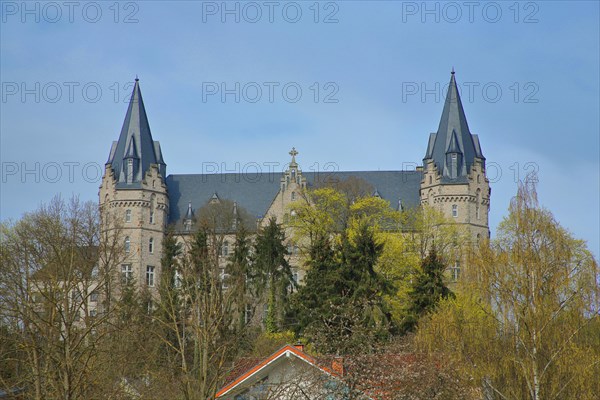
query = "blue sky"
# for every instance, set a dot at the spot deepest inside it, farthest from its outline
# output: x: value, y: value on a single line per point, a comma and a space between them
x: 372, y: 76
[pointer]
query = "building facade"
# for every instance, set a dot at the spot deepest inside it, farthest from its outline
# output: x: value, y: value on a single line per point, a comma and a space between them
x: 137, y: 191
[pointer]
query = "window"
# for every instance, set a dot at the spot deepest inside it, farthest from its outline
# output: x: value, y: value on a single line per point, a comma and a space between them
x: 151, y: 245
x: 129, y: 169
x: 150, y: 276
x: 295, y: 277
x: 93, y: 313
x: 455, y: 270
x: 178, y: 279
x: 478, y: 178
x: 293, y: 196
x: 127, y: 244
x: 224, y: 278
x: 126, y: 273
x: 94, y: 297
x: 454, y: 210
x: 248, y: 314
x: 430, y: 179
x: 149, y: 307
x: 127, y: 215
x: 151, y: 217
x: 225, y: 248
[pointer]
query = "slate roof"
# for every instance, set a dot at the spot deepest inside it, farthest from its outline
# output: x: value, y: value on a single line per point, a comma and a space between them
x: 135, y: 141
x: 453, y: 133
x: 255, y: 191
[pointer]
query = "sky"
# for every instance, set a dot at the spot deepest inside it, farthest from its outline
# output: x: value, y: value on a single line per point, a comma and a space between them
x: 353, y: 85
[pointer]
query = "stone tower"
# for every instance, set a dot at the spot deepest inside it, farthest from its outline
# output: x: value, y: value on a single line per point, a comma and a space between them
x: 454, y: 179
x: 134, y: 193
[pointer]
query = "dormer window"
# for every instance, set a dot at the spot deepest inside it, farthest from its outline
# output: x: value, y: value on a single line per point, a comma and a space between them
x: 130, y: 170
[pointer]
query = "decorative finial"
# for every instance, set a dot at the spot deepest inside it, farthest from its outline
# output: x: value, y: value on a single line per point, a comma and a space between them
x: 136, y: 78
x: 452, y: 70
x: 293, y: 153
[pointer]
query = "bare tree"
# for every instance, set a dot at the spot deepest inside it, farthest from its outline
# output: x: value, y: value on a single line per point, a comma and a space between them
x: 51, y: 290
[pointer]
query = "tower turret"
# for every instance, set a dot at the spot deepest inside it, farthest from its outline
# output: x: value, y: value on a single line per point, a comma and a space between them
x: 133, y: 195
x: 454, y: 178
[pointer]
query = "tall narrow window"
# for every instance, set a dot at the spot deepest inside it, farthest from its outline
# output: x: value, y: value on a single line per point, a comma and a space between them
x: 248, y: 314
x: 129, y: 170
x: 224, y: 278
x: 126, y: 274
x: 178, y: 279
x: 430, y: 179
x: 455, y: 270
x: 293, y: 196
x: 150, y: 276
x: 151, y: 245
x: 127, y: 215
x: 127, y: 244
x: 225, y: 248
x: 151, y: 217
x: 477, y: 202
x: 454, y: 210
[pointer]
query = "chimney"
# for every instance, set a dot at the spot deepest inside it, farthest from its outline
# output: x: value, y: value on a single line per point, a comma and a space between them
x: 337, y: 366
x: 299, y: 346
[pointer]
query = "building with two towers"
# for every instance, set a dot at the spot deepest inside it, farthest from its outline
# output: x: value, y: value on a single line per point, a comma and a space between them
x: 137, y: 190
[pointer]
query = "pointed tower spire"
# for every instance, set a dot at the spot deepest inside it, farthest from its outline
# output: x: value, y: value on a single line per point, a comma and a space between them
x: 135, y: 139
x: 453, y: 136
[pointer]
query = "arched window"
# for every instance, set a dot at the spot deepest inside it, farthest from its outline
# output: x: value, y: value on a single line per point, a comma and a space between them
x: 151, y: 245
x: 293, y: 196
x: 478, y: 178
x: 454, y: 210
x: 127, y: 244
x: 430, y: 179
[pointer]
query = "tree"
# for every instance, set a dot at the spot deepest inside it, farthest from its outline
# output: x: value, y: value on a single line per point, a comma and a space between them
x: 341, y: 307
x: 428, y: 289
x: 50, y: 286
x: 241, y: 277
x: 274, y: 275
x: 525, y: 325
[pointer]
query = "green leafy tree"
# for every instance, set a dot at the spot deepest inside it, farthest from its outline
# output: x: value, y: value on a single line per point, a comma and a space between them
x: 525, y: 325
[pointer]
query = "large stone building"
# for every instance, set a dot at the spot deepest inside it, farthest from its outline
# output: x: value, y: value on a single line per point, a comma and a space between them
x: 137, y: 190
